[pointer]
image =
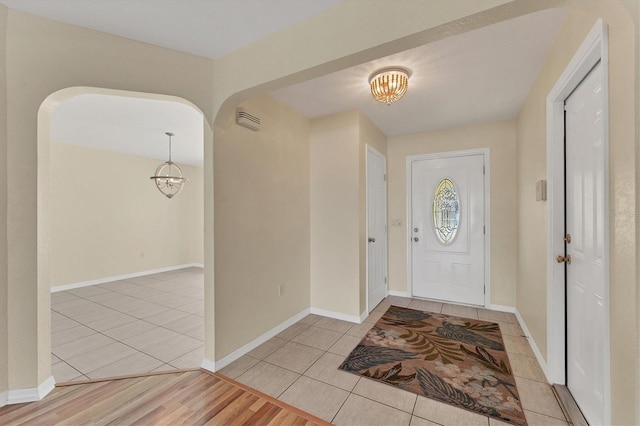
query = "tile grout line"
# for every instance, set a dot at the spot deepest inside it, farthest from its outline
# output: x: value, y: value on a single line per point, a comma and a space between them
x: 136, y: 318
x: 329, y: 384
x: 124, y: 313
x: 412, y: 413
x: 115, y: 341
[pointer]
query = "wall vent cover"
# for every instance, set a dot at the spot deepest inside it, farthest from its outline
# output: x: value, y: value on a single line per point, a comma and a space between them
x: 243, y: 118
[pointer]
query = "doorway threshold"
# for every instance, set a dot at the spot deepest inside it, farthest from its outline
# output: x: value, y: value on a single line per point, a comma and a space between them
x: 569, y: 407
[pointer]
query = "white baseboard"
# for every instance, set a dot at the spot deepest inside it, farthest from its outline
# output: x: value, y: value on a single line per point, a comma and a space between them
x: 337, y: 315
x: 3, y: 399
x: 502, y: 308
x: 18, y: 396
x: 534, y: 347
x: 217, y: 365
x: 398, y: 293
x: 123, y: 277
x: 208, y: 365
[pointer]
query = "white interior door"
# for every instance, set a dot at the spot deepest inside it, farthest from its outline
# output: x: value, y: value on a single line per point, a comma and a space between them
x: 447, y: 229
x: 587, y: 297
x: 376, y: 228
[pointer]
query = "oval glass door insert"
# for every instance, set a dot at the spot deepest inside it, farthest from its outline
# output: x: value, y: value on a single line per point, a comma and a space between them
x: 446, y: 211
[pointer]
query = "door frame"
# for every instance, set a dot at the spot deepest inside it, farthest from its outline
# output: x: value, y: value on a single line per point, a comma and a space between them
x: 593, y: 49
x: 485, y: 152
x: 371, y: 149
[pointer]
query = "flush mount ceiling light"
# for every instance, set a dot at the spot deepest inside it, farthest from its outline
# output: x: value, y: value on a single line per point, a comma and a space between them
x: 168, y: 177
x: 389, y: 84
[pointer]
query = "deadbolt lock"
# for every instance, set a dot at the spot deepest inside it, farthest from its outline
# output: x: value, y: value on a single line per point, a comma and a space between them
x: 415, y: 229
x: 564, y: 259
x: 416, y: 239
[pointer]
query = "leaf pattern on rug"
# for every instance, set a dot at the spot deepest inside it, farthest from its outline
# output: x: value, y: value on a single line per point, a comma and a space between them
x: 463, y: 334
x: 391, y: 375
x: 431, y: 346
x: 440, y: 348
x: 409, y: 315
x: 491, y: 327
x: 438, y: 389
x: 457, y: 361
x: 366, y: 357
x: 486, y: 359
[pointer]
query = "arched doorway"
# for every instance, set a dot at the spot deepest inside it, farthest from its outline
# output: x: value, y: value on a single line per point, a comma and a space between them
x: 93, y: 285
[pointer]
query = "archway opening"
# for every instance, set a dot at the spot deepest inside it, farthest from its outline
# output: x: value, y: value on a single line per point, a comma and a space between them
x: 124, y: 264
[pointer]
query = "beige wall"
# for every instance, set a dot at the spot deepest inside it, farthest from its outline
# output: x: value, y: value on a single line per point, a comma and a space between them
x: 335, y: 213
x: 3, y: 204
x: 43, y: 57
x: 105, y: 225
x: 338, y: 210
x: 500, y: 138
x: 369, y: 134
x: 532, y: 216
x: 262, y: 223
x: 532, y: 158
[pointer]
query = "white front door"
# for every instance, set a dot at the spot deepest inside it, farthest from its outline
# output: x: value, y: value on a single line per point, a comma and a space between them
x: 376, y: 228
x: 587, y: 297
x: 447, y: 229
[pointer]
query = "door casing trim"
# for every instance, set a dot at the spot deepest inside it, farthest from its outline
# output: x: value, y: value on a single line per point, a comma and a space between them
x: 485, y: 152
x: 371, y: 149
x: 593, y: 49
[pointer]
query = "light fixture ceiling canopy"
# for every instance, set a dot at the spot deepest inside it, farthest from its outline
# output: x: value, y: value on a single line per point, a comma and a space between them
x: 389, y: 84
x: 168, y: 177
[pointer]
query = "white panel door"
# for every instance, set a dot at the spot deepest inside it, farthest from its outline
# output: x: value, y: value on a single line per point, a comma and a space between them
x: 447, y: 229
x: 586, y: 293
x: 376, y: 228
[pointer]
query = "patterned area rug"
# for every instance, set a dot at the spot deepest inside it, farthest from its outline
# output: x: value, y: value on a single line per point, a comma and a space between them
x: 458, y: 361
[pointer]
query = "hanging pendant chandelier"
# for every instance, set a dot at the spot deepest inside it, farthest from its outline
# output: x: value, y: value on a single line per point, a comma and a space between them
x: 168, y: 177
x: 389, y: 84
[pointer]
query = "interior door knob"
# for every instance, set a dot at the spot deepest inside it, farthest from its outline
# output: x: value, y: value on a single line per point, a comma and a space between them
x: 564, y: 259
x: 372, y: 240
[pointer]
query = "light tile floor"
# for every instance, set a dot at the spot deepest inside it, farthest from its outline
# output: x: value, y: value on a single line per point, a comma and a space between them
x: 300, y: 366
x: 155, y: 323
x: 139, y: 325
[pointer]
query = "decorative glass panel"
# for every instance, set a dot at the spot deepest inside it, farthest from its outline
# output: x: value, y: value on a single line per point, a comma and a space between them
x: 446, y: 211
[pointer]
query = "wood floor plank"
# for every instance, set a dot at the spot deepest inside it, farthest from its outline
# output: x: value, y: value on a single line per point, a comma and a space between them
x: 194, y: 397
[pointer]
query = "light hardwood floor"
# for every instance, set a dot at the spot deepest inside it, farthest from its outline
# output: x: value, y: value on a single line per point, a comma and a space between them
x: 192, y: 397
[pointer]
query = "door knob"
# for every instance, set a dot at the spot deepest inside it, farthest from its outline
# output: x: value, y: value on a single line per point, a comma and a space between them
x: 372, y: 240
x: 564, y: 259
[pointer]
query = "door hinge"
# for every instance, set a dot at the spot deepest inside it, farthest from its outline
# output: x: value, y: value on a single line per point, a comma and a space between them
x: 483, y: 170
x: 484, y: 289
x: 385, y: 280
x: 385, y: 177
x: 484, y: 229
x: 564, y: 107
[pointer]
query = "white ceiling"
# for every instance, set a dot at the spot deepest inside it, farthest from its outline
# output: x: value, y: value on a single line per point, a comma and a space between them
x: 131, y: 126
x: 209, y: 28
x: 479, y: 76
